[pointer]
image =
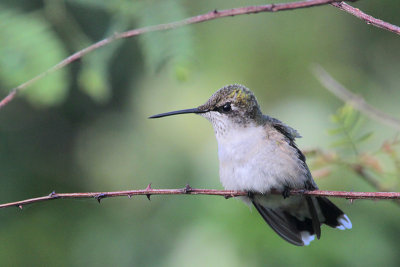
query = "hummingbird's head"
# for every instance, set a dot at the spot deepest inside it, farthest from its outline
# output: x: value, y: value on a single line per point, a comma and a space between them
x: 232, y: 105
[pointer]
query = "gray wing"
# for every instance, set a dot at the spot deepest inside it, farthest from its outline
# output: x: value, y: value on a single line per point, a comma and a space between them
x: 286, y: 130
x: 286, y: 225
x: 291, y: 135
x: 299, y: 230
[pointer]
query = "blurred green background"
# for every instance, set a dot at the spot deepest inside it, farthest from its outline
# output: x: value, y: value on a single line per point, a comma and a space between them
x: 85, y: 128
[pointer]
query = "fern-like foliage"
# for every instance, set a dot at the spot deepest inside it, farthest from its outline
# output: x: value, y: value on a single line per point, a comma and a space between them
x: 347, y: 129
x: 379, y: 168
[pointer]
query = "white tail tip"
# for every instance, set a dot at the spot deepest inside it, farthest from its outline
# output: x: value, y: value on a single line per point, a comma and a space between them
x: 306, y: 237
x: 344, y: 222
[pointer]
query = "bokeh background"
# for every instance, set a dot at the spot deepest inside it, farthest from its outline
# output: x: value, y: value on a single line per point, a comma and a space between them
x: 85, y: 128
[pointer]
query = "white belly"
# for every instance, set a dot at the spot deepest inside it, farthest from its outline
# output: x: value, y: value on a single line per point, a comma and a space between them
x: 251, y: 161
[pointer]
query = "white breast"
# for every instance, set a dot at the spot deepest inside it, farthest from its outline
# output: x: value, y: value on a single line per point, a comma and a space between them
x: 254, y: 159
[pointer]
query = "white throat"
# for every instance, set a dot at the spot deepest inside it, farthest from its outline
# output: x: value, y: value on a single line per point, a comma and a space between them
x: 257, y: 159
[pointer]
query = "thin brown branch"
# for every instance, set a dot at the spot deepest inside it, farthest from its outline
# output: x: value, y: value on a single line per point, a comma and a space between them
x: 356, y: 101
x: 192, y: 191
x: 367, y: 18
x: 215, y: 14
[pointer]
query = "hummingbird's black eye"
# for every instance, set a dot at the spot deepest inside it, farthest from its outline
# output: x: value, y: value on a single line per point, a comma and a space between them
x: 227, y: 107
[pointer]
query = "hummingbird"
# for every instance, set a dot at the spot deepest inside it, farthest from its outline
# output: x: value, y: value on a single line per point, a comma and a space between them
x: 258, y: 154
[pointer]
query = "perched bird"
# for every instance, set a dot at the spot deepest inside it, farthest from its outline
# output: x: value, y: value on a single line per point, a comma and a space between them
x: 257, y: 154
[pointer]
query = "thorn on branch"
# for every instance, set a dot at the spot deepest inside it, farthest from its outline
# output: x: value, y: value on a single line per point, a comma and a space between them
x: 351, y: 196
x: 148, y: 188
x: 99, y: 197
x: 115, y: 34
x: 187, y: 189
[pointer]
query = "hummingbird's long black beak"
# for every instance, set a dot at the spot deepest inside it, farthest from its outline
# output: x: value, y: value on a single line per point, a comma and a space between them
x: 183, y: 111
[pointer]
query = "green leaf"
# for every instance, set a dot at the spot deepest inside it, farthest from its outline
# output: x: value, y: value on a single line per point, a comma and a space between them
x: 356, y: 125
x: 336, y: 131
x: 117, y: 7
x: 341, y: 142
x: 364, y: 137
x: 350, y: 118
x: 100, y: 4
x: 93, y: 81
x: 93, y: 77
x: 167, y: 47
x: 335, y: 118
x: 28, y: 47
x: 348, y: 123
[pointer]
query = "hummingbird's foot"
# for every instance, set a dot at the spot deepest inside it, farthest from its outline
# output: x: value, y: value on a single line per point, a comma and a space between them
x: 250, y: 195
x: 286, y: 192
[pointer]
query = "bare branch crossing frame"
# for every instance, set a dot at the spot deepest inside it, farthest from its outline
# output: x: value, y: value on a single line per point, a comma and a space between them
x: 215, y: 14
x: 192, y: 191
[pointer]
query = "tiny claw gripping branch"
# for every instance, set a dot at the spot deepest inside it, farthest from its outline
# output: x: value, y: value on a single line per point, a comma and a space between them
x: 250, y: 195
x: 286, y: 192
x: 228, y: 196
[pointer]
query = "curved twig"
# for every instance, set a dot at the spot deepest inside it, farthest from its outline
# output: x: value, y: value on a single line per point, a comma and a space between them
x: 201, y: 18
x: 356, y: 101
x: 192, y: 20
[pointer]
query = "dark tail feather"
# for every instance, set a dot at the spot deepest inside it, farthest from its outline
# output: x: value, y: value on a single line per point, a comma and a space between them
x: 302, y: 230
x: 334, y: 217
x: 316, y: 224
